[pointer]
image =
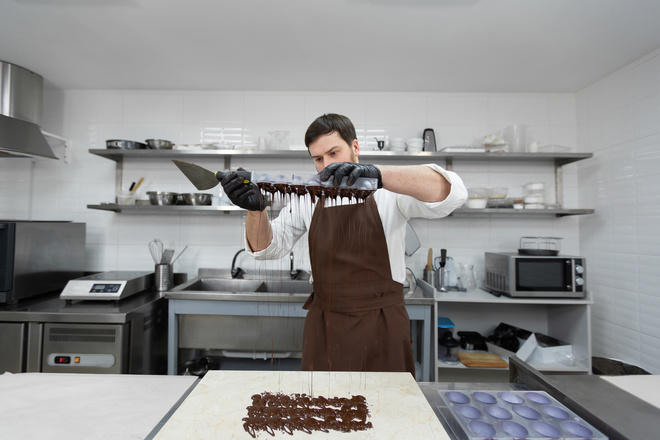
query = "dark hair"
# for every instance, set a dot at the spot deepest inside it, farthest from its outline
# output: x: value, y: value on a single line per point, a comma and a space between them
x: 330, y: 123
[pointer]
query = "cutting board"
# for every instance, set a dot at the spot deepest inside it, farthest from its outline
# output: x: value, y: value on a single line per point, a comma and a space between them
x: 487, y: 360
x: 214, y: 409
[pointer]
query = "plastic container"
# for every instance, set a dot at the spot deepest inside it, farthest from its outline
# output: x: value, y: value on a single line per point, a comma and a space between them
x: 125, y: 198
x: 515, y: 137
x: 477, y: 198
x: 497, y: 193
x: 535, y: 194
x: 543, y: 246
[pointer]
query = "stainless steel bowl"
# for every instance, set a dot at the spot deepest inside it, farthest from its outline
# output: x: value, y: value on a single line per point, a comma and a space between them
x: 162, y: 198
x: 124, y: 145
x: 159, y: 144
x: 196, y: 198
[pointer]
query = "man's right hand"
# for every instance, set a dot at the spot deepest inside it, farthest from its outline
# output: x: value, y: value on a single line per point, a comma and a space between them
x: 242, y: 193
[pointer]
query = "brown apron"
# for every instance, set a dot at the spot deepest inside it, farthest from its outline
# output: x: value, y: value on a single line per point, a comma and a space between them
x: 356, y: 319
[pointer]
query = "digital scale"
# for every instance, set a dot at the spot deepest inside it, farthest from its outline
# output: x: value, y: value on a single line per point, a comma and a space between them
x: 108, y: 286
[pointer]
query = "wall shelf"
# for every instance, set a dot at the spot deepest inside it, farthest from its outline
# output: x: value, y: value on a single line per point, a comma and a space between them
x: 556, y: 159
x: 461, y: 212
x: 117, y: 155
x: 171, y: 209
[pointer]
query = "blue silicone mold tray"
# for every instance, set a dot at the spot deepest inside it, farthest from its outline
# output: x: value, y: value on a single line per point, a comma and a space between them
x: 513, y: 415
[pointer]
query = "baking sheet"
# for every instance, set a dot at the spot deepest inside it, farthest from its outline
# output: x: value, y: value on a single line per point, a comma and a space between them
x: 216, y: 407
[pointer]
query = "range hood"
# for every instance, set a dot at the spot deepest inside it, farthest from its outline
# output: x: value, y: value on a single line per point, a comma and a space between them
x: 21, y: 96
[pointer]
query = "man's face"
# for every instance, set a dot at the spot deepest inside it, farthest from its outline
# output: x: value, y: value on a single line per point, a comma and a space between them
x: 331, y: 148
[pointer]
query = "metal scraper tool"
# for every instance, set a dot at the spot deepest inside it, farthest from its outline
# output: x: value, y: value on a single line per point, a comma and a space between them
x: 203, y: 178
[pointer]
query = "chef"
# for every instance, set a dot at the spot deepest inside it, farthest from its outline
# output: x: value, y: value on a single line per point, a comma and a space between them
x: 356, y: 319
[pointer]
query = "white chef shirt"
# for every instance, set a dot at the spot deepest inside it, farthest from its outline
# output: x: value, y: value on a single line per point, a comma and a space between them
x: 394, y: 209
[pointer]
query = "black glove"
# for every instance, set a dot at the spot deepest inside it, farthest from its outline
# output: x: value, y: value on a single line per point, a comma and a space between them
x: 245, y: 195
x: 352, y: 170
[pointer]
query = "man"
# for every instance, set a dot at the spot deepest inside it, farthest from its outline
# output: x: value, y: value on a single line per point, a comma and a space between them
x: 356, y: 319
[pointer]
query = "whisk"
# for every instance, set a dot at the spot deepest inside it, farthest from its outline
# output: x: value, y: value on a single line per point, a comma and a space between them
x: 156, y: 250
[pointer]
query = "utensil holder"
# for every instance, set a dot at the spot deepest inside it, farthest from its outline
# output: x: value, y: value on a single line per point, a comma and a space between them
x: 163, y: 277
x: 429, y: 277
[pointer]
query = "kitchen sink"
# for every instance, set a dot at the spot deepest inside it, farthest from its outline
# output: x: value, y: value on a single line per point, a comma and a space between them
x: 285, y: 286
x: 247, y: 285
x: 245, y: 315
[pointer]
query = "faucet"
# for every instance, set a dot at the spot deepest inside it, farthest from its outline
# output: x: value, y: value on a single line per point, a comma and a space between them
x: 236, y: 272
x: 293, y: 272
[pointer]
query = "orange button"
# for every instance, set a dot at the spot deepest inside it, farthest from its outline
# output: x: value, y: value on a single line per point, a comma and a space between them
x: 76, y: 360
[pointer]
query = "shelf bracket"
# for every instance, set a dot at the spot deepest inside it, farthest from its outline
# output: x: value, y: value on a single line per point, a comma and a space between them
x: 119, y: 176
x: 559, y: 186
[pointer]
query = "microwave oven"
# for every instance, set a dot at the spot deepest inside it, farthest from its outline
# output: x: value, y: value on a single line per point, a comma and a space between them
x: 37, y: 257
x: 525, y: 276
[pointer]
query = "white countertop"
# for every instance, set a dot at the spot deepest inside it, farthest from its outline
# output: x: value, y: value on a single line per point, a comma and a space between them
x: 86, y: 406
x: 646, y: 387
x: 117, y: 407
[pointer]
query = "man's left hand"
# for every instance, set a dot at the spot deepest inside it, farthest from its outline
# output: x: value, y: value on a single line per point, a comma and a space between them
x: 339, y: 170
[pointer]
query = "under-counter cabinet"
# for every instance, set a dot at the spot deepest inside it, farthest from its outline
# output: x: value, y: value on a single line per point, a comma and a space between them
x: 568, y: 320
x: 445, y: 159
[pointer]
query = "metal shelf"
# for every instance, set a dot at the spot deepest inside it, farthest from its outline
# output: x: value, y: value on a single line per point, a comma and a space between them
x: 460, y: 212
x: 557, y: 159
x: 513, y: 213
x: 117, y: 155
x: 167, y: 209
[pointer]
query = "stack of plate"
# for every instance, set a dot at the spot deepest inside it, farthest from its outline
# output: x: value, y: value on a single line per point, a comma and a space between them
x: 397, y: 144
x: 415, y: 145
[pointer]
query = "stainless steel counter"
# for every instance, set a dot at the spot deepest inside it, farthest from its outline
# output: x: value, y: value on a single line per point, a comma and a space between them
x: 418, y: 295
x: 617, y: 411
x: 251, y: 321
x: 132, y: 335
x: 50, y: 308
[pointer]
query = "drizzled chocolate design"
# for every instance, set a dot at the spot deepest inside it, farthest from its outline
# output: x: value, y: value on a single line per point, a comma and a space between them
x: 315, y: 191
x: 272, y: 412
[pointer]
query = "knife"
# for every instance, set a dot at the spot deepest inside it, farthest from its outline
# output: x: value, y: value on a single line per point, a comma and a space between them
x: 205, y: 179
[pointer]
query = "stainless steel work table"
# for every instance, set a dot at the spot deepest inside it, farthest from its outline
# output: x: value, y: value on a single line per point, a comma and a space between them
x: 419, y: 305
x: 23, y: 327
x: 50, y: 308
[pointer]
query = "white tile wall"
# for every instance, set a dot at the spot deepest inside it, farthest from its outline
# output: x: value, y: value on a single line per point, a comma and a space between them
x: 48, y: 189
x: 54, y: 189
x: 619, y: 121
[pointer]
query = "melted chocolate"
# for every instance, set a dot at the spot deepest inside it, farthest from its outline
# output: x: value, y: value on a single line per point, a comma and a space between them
x: 315, y: 191
x: 300, y: 412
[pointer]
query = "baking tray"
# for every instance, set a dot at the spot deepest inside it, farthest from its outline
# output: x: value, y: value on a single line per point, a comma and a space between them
x: 488, y: 414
